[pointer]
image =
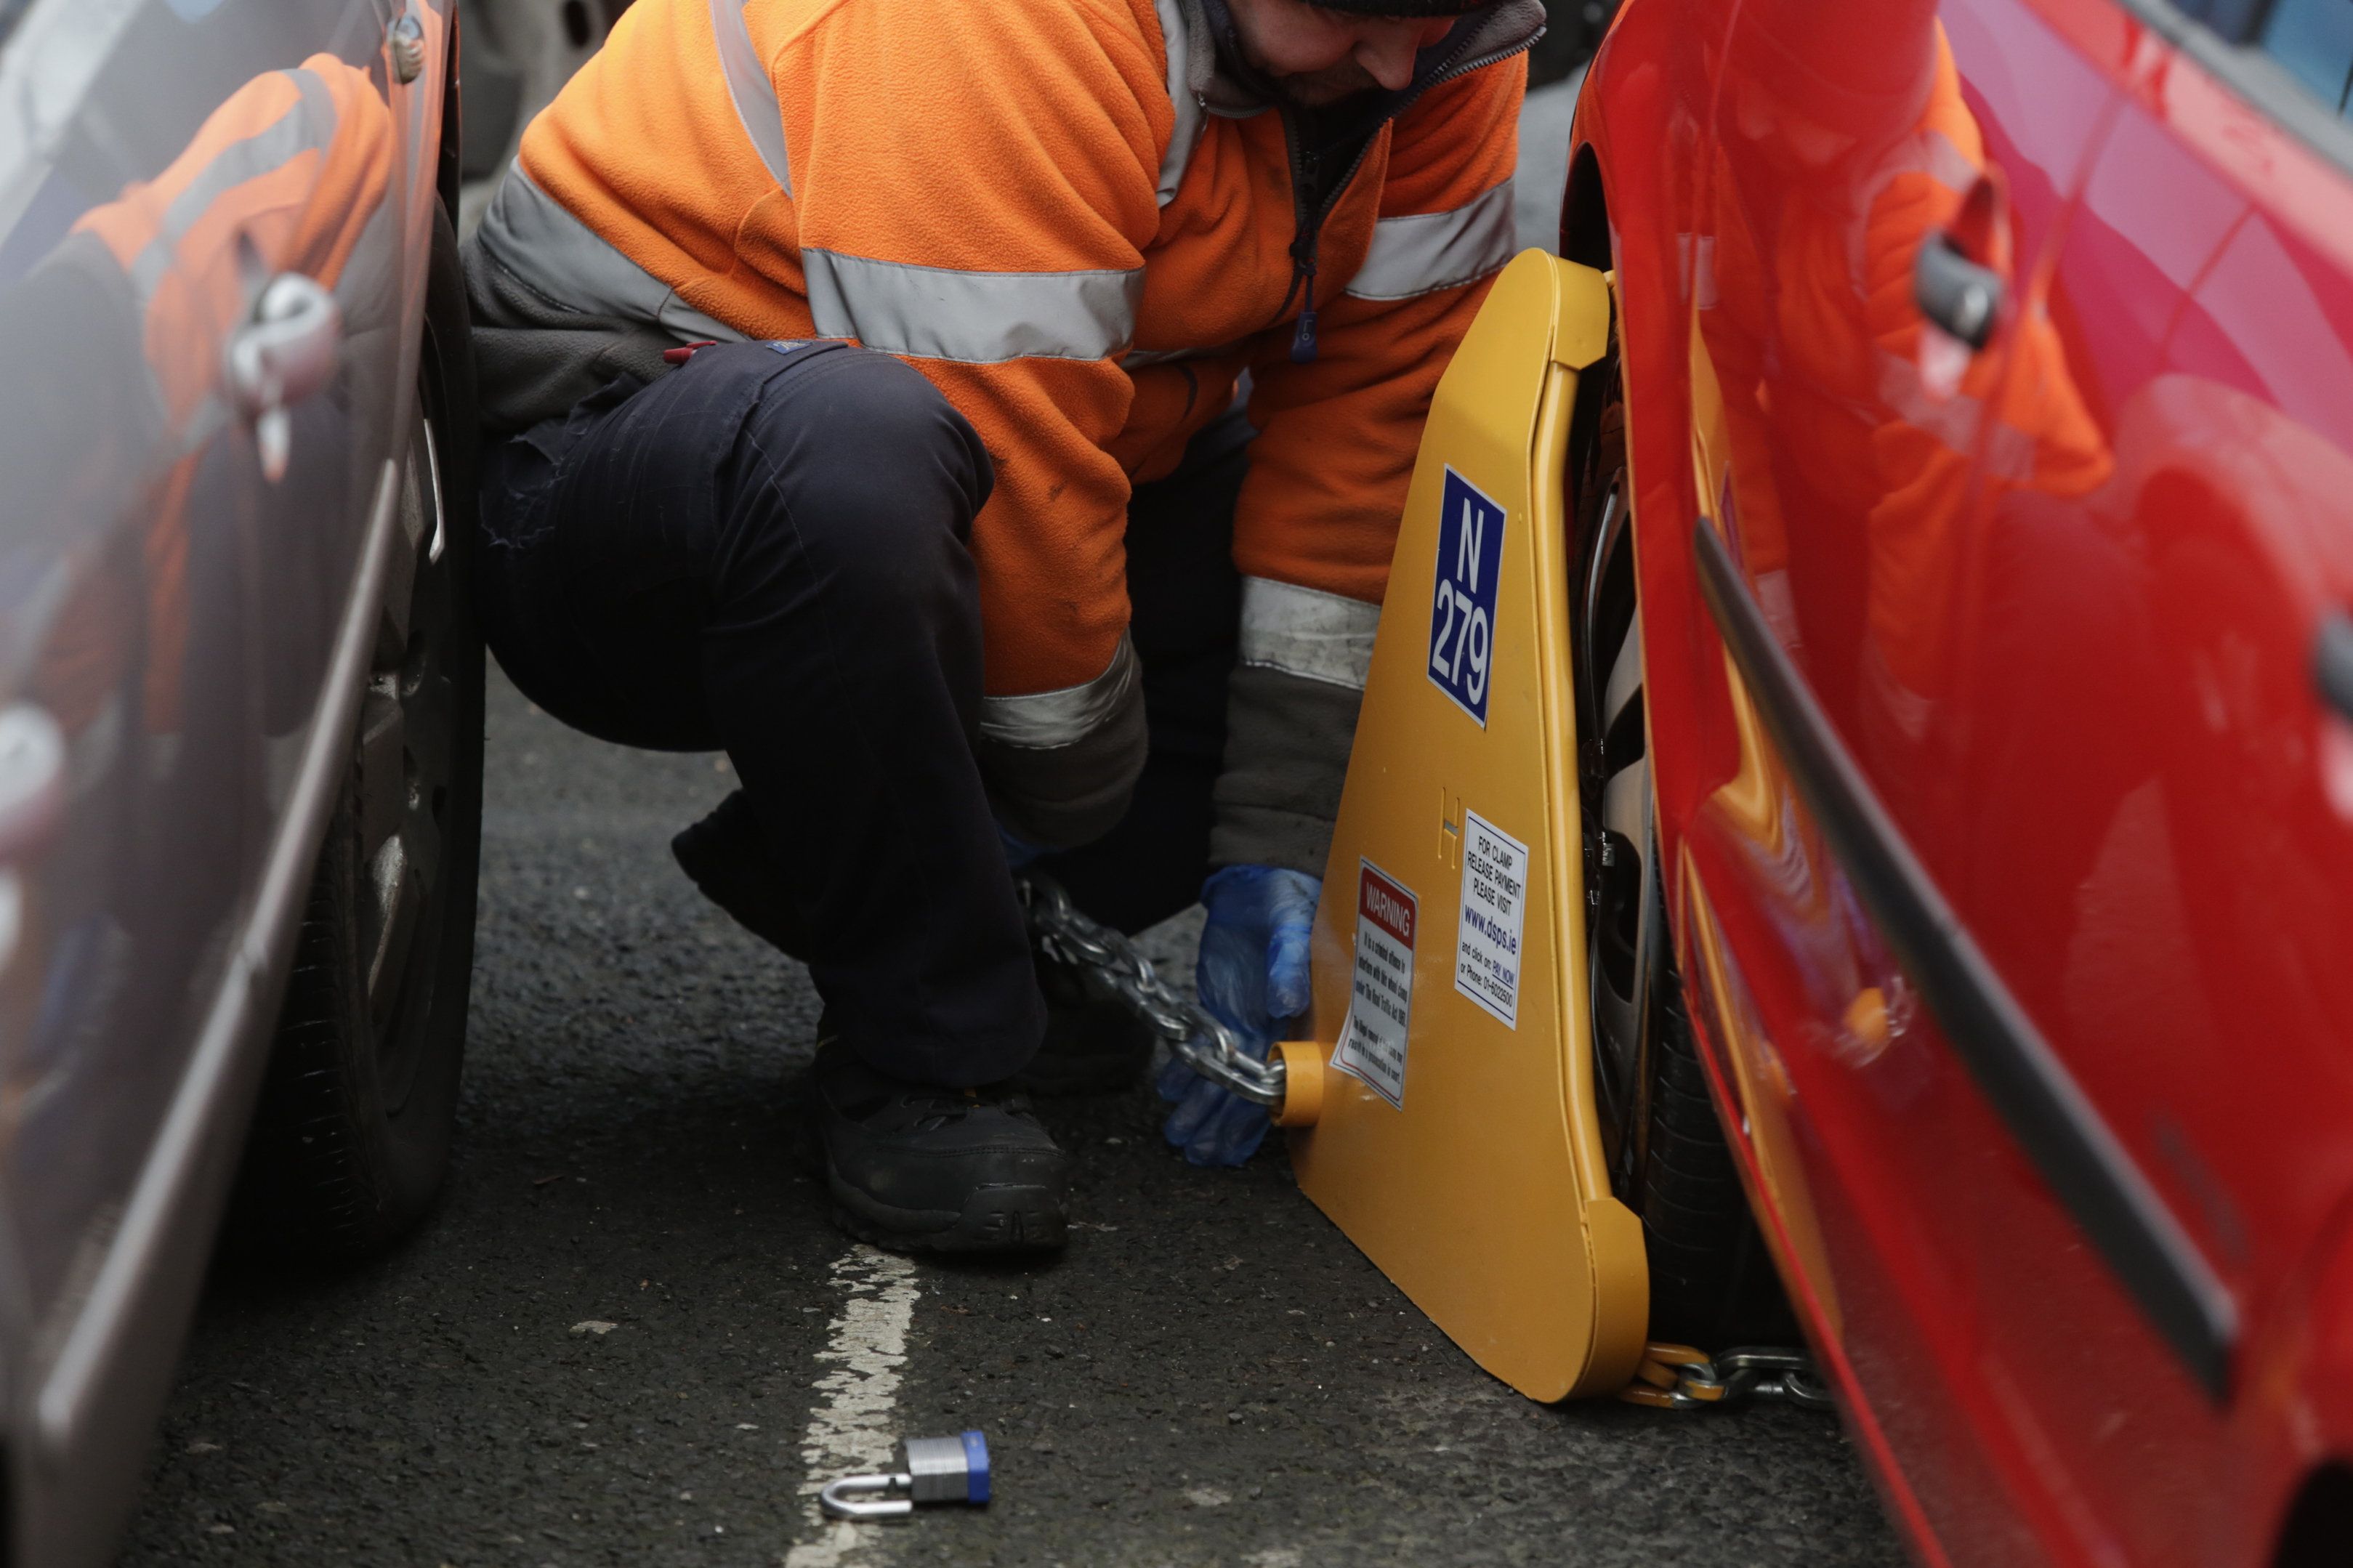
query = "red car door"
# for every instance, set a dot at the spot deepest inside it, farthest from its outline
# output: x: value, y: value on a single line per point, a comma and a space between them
x: 1851, y: 454
x: 2154, y: 839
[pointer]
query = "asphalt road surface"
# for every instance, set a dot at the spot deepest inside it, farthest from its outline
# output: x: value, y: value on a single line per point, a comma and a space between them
x: 630, y: 1336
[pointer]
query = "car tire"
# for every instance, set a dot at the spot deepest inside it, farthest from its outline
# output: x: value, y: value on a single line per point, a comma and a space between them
x: 519, y: 55
x: 1712, y: 1283
x: 351, y: 1133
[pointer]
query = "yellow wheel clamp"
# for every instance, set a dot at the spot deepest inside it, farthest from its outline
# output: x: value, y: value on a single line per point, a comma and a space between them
x: 1443, y: 1114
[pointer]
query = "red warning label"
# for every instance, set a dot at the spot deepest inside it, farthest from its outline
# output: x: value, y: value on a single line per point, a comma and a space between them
x: 1380, y: 1001
x: 1386, y: 904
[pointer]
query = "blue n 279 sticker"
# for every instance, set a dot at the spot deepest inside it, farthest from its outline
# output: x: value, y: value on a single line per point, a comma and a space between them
x: 1462, y: 605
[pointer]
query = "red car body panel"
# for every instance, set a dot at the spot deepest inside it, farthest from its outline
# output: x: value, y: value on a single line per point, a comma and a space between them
x: 2075, y: 1232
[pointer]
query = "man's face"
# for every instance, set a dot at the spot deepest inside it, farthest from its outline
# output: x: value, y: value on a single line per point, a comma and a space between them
x: 1318, y: 56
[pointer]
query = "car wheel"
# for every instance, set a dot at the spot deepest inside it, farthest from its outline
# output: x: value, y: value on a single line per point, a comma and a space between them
x: 519, y: 55
x: 351, y: 1133
x: 1711, y: 1283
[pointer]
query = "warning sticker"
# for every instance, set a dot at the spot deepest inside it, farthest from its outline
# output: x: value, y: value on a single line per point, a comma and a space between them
x: 1380, y: 1001
x: 1494, y: 907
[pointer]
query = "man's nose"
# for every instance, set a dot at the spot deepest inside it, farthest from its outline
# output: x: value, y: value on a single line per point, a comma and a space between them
x: 1390, y: 61
x: 1389, y: 57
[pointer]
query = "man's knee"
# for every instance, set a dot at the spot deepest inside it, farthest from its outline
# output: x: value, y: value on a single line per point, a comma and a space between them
x: 847, y: 472
x: 860, y: 442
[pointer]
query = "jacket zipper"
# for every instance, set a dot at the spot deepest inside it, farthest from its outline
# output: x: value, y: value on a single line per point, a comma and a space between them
x: 1308, y: 226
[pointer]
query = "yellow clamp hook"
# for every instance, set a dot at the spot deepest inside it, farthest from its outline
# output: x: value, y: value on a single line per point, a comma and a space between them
x: 1302, y: 1083
x: 1678, y: 1377
x: 1658, y: 1378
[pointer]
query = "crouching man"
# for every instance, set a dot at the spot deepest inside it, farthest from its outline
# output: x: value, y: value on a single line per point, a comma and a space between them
x: 868, y: 370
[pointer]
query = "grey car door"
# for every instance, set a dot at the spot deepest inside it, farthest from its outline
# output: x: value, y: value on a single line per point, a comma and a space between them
x: 188, y: 460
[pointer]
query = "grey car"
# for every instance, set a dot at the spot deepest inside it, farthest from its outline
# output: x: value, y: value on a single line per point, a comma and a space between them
x: 240, y: 690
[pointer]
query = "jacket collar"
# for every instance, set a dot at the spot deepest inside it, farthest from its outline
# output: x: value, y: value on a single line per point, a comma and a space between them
x: 1227, y: 85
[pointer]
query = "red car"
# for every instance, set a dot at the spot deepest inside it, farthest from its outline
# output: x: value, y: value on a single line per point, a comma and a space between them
x: 1966, y: 729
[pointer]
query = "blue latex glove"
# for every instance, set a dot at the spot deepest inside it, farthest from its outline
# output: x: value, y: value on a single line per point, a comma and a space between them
x: 1252, y: 976
x: 1018, y: 852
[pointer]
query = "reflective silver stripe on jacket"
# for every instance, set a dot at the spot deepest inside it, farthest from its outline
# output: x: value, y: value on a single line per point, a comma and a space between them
x: 529, y: 232
x: 1044, y: 720
x: 1177, y: 33
x: 751, y: 89
x: 972, y: 317
x: 1429, y: 251
x: 1307, y: 633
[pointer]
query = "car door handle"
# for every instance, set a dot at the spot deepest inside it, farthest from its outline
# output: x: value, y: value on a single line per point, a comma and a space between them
x: 32, y: 780
x: 406, y: 40
x: 2332, y: 663
x: 1961, y: 297
x: 284, y: 353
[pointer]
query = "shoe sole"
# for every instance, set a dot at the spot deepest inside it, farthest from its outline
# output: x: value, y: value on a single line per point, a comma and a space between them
x: 994, y: 1219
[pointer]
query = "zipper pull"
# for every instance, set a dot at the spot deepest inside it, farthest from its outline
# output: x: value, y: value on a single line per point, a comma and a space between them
x: 1302, y: 340
x: 1302, y: 337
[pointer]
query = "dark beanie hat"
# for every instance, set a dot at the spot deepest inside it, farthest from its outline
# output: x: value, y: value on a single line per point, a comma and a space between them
x: 1401, y: 8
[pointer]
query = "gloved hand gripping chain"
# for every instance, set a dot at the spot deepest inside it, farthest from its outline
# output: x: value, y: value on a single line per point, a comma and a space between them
x: 1205, y: 1044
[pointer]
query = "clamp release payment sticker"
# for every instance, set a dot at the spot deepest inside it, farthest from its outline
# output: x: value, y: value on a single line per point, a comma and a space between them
x: 1380, y: 999
x: 1462, y: 602
x: 1494, y: 910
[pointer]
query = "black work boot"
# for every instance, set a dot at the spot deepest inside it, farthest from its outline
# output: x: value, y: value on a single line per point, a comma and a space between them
x: 922, y: 1169
x: 725, y: 855
x: 1093, y: 1045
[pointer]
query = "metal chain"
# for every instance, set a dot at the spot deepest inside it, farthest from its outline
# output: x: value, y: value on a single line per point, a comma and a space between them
x: 1208, y: 1047
x: 1677, y: 1378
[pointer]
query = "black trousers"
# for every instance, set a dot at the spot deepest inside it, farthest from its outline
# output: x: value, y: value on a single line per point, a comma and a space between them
x: 767, y: 552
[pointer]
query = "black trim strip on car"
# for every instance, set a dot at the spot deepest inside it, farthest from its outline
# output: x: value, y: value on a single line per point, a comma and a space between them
x: 2048, y: 1114
x: 2220, y: 37
x: 2332, y: 662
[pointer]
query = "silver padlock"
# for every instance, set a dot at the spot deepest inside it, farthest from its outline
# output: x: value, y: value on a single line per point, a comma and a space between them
x: 930, y: 1470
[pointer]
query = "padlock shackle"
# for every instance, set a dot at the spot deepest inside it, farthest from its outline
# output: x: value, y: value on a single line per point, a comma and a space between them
x: 851, y: 1498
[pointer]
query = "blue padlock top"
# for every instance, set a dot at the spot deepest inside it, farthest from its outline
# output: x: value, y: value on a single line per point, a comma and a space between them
x: 975, y: 1467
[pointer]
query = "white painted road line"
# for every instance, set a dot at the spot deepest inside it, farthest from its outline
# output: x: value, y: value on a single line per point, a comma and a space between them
x: 854, y: 1430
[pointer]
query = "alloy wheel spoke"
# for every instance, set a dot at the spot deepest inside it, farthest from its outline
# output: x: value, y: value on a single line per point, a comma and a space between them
x: 399, y: 901
x: 420, y: 839
x: 384, y: 768
x: 430, y: 708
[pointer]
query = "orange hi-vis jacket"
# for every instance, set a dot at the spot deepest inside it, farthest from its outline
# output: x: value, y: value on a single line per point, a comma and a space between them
x: 1056, y: 210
